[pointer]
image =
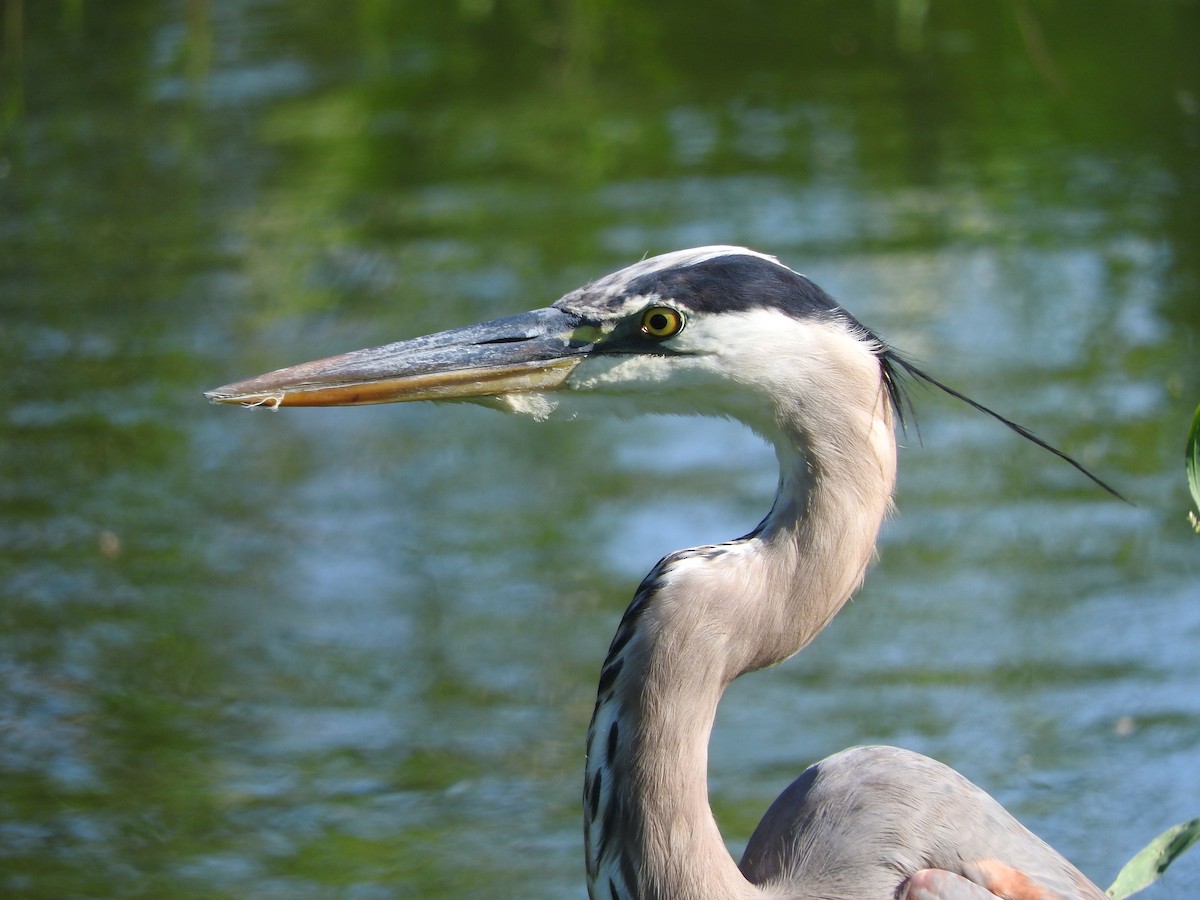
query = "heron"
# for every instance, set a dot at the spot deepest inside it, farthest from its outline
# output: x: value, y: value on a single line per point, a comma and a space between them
x: 730, y: 332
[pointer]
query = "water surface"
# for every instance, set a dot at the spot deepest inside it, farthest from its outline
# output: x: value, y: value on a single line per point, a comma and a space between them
x: 352, y: 653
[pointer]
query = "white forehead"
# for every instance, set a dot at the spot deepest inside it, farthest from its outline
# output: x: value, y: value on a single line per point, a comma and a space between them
x: 692, y: 257
x: 604, y: 291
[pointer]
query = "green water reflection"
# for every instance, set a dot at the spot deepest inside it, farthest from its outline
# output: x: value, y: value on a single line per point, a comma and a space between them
x: 352, y: 653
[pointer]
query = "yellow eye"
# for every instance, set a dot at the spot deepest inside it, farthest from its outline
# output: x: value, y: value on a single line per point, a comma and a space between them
x: 661, y: 322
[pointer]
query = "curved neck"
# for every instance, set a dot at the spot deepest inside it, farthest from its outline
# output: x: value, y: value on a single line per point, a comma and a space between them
x: 700, y: 619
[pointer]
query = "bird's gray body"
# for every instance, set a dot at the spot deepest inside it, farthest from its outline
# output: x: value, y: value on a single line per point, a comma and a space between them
x: 862, y: 821
x: 724, y: 331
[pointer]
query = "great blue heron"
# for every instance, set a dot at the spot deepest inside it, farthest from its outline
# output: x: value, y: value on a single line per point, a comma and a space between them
x: 725, y: 331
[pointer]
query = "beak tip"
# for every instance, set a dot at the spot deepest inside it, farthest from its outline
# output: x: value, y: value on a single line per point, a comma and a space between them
x: 230, y: 395
x: 224, y: 394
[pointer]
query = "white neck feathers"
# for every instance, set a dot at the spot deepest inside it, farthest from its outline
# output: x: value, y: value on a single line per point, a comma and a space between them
x: 703, y: 617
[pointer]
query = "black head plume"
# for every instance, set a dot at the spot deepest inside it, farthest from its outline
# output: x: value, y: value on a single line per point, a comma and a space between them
x: 896, y: 367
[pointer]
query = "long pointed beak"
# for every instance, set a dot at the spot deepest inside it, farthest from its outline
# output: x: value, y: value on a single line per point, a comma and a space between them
x: 532, y: 352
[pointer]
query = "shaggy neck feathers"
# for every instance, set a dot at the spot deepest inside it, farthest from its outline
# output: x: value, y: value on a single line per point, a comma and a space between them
x: 703, y: 617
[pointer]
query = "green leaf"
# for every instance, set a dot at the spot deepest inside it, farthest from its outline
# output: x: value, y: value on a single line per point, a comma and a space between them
x: 1152, y: 860
x: 1193, y: 463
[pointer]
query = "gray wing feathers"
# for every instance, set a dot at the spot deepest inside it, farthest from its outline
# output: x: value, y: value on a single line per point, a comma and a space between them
x: 861, y: 822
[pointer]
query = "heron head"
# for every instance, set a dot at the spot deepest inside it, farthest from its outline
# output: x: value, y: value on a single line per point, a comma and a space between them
x: 720, y: 330
x: 711, y: 331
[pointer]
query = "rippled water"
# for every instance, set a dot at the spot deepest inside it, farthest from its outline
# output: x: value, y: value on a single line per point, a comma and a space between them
x: 353, y: 652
